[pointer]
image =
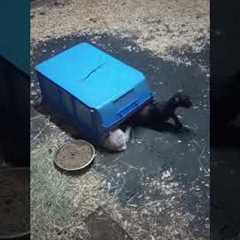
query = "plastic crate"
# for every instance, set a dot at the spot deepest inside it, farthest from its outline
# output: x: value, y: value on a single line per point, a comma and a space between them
x: 92, y: 89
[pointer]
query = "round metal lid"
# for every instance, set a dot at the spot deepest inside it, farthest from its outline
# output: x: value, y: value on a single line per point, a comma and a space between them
x: 75, y: 156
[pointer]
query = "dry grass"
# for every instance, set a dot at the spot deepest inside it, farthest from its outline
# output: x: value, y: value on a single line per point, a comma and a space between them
x: 156, y: 25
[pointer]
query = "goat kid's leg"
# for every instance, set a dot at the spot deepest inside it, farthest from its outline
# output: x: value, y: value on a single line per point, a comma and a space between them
x: 178, y: 124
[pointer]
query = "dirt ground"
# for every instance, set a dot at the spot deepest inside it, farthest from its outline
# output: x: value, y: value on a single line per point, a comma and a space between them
x: 159, y: 187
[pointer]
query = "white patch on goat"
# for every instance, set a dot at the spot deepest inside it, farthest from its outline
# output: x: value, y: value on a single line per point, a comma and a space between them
x: 117, y: 140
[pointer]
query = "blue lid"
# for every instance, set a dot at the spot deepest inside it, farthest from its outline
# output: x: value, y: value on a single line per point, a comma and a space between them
x: 91, y: 75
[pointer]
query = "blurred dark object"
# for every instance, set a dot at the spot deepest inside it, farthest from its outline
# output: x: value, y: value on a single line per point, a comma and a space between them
x: 225, y: 151
x: 225, y: 70
x: 14, y: 203
x: 14, y: 120
x: 225, y: 109
x: 225, y: 155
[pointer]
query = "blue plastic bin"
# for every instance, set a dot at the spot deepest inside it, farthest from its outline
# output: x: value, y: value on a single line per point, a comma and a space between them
x: 92, y: 89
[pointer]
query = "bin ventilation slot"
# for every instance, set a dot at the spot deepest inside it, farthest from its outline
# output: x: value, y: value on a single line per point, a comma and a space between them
x: 124, y: 95
x: 93, y: 71
x: 123, y: 112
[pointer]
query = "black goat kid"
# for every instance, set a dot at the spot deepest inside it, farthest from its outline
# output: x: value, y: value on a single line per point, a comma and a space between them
x: 156, y: 113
